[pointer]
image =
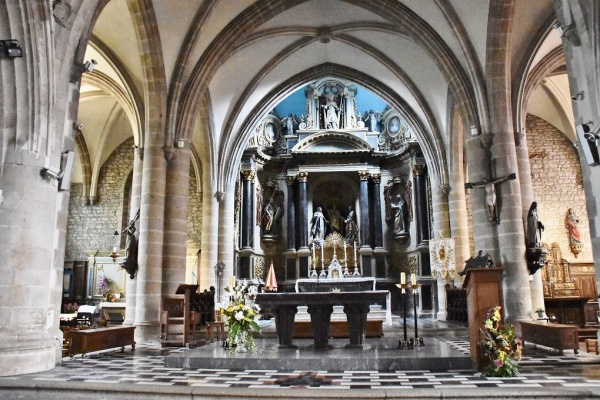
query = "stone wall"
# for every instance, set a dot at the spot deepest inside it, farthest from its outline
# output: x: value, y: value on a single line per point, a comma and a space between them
x: 92, y: 227
x: 557, y: 185
x: 194, y: 226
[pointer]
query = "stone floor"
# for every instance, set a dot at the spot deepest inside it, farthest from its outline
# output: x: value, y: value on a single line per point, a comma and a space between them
x: 544, y: 373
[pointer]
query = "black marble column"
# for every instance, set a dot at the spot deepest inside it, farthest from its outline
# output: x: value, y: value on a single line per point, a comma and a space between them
x: 247, y: 208
x: 377, y: 223
x: 291, y: 214
x: 302, y: 209
x: 356, y: 315
x: 284, y: 324
x: 365, y: 229
x: 320, y: 318
x: 421, y: 202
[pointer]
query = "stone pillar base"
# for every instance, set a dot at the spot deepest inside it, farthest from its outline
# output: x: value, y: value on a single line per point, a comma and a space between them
x: 147, y: 332
x: 27, y: 354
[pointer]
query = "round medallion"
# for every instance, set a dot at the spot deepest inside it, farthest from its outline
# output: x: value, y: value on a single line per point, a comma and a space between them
x: 393, y: 126
x: 271, y: 133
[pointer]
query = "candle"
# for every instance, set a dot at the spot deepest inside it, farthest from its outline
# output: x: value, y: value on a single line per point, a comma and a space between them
x: 314, y: 257
x: 322, y: 257
x: 345, y: 256
x: 355, y: 259
x: 402, y: 278
x: 232, y: 281
x: 413, y: 279
x: 115, y: 249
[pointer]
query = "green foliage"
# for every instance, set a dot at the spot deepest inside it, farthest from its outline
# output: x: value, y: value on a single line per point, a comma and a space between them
x: 500, y: 345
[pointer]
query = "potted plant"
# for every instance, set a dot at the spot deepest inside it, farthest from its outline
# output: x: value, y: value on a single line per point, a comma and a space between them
x: 540, y: 312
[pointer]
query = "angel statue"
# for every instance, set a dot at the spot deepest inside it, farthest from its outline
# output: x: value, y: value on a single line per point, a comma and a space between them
x: 290, y: 122
x: 372, y: 119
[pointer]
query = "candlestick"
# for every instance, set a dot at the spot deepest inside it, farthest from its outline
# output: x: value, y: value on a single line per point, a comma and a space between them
x: 355, y: 259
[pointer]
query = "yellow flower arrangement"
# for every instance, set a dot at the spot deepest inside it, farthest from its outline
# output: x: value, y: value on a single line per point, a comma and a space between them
x: 240, y: 313
x: 501, y: 346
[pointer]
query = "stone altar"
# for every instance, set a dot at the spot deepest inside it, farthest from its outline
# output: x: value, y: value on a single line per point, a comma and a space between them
x: 320, y: 306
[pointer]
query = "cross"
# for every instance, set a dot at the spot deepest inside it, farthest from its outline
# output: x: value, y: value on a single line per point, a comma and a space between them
x: 490, y: 193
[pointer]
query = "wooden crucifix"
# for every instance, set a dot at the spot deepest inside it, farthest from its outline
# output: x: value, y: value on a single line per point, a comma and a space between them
x: 490, y: 193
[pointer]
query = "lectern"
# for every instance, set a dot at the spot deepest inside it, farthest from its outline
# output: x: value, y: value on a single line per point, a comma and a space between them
x: 484, y: 291
x: 187, y: 291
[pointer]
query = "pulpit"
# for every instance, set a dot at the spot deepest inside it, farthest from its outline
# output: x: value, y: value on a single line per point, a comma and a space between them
x: 484, y: 291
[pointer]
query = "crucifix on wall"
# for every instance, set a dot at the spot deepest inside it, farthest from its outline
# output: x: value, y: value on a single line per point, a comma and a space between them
x: 490, y: 193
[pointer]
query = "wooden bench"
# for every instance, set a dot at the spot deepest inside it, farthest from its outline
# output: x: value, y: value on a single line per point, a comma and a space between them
x: 338, y: 329
x: 88, y: 340
x: 558, y: 336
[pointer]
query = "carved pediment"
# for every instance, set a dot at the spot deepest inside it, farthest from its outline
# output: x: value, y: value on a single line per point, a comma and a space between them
x: 332, y: 142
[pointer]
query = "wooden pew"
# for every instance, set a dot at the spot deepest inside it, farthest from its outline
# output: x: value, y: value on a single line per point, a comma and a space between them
x: 558, y: 336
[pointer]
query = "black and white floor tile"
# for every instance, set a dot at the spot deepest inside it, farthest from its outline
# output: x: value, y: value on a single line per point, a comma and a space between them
x: 540, y: 367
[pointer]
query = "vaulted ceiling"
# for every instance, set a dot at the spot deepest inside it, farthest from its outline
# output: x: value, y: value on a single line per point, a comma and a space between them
x: 224, y: 64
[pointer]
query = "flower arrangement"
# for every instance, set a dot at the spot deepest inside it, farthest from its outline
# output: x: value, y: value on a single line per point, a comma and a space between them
x: 103, y: 285
x: 501, y: 346
x: 240, y: 312
x: 539, y: 310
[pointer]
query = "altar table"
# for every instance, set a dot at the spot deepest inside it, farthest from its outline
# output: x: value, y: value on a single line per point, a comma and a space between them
x: 320, y: 306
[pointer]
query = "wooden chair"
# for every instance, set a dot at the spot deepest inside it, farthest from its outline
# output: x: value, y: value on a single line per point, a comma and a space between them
x: 217, y: 326
x: 174, y: 310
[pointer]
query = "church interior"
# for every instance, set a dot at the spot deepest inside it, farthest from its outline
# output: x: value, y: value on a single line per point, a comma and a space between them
x: 155, y: 151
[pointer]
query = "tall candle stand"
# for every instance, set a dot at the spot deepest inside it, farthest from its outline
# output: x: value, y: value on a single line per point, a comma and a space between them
x: 415, y: 288
x: 404, y: 344
x: 322, y: 274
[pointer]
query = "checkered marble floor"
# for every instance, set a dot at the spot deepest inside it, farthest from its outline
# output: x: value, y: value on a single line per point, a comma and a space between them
x: 540, y: 367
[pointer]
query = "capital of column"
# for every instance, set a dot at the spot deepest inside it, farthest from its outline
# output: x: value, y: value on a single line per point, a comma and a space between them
x: 169, y: 151
x: 445, y: 189
x: 520, y: 137
x: 419, y: 169
x: 376, y: 178
x: 363, y: 175
x: 248, y: 174
x: 302, y: 176
x: 290, y: 180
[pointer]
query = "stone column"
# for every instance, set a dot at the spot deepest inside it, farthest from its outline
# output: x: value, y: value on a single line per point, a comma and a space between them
x: 209, y: 255
x: 248, y: 209
x: 484, y: 231
x: 303, y: 210
x: 291, y: 214
x: 365, y: 229
x: 150, y: 252
x: 26, y: 247
x: 377, y: 222
x: 421, y: 203
x: 510, y: 232
x: 536, y: 285
x: 134, y: 206
x: 226, y: 233
x: 511, y: 237
x: 457, y: 203
x: 439, y: 197
x: 176, y: 217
